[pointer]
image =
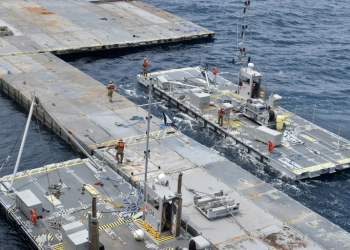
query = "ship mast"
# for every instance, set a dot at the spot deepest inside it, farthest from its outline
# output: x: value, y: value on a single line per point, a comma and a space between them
x: 242, y: 50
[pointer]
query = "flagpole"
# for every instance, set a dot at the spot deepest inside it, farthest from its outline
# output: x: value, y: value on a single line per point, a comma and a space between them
x: 147, y: 146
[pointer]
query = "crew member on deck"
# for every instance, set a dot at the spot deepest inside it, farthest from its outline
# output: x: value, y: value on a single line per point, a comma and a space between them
x: 110, y: 88
x: 120, y: 151
x: 221, y: 113
x: 144, y: 67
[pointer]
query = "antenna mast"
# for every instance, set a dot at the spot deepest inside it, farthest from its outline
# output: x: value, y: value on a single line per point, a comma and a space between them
x: 242, y: 50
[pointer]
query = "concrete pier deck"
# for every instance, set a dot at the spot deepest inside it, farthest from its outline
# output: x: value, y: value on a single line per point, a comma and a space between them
x: 69, y: 26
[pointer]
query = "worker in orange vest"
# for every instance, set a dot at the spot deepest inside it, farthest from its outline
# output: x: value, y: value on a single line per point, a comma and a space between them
x: 221, y: 113
x: 110, y: 88
x: 144, y: 67
x: 120, y: 151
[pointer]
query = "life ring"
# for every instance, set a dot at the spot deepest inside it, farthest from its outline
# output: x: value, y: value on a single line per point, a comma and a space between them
x: 215, y: 71
x: 32, y: 216
x: 270, y: 145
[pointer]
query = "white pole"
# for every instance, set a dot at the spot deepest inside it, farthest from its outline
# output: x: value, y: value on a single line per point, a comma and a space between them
x: 339, y: 136
x: 147, y: 146
x: 23, y: 142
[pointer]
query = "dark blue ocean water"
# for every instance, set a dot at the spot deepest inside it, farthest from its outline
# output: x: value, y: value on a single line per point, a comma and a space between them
x: 303, y: 49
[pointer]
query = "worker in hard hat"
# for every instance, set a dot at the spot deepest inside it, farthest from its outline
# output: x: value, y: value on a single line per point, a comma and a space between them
x: 110, y: 88
x: 221, y: 113
x: 120, y: 151
x: 144, y: 67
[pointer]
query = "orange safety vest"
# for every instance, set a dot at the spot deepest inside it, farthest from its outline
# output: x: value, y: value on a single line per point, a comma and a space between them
x: 121, y: 144
x: 111, y: 86
x: 221, y: 112
x: 144, y: 64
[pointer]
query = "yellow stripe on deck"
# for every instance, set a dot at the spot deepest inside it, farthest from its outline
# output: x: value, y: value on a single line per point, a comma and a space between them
x: 285, y: 114
x: 224, y: 93
x: 91, y: 190
x: 49, y: 169
x: 99, y: 215
x: 58, y: 246
x: 346, y: 160
x: 314, y: 168
x: 159, y: 239
x: 53, y: 200
x: 114, y: 224
x: 43, y: 237
x: 94, y: 192
x: 307, y: 137
x: 233, y: 122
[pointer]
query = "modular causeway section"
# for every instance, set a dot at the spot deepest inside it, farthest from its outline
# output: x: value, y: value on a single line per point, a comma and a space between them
x: 311, y: 152
x: 77, y: 109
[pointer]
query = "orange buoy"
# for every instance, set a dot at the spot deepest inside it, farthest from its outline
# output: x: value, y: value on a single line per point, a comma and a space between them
x: 215, y: 71
x: 270, y: 145
x: 32, y: 216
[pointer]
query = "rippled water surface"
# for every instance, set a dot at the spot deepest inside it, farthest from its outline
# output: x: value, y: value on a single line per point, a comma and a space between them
x: 303, y: 49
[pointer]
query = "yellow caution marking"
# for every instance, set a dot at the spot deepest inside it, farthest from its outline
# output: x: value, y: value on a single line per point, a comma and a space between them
x: 233, y: 122
x: 290, y: 123
x: 53, y: 200
x: 99, y: 215
x: 208, y: 109
x: 224, y: 93
x: 307, y: 137
x: 91, y: 190
x: 114, y: 224
x: 151, y: 232
x: 94, y: 192
x: 236, y: 132
x: 43, y: 170
x: 314, y: 168
x: 346, y: 160
x: 285, y: 114
x: 157, y: 135
x: 238, y: 96
x: 285, y: 144
x: 58, y: 246
x: 43, y: 238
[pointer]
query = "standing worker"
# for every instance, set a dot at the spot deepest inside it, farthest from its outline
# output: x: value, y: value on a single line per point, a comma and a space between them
x: 221, y: 113
x: 144, y: 67
x: 110, y: 88
x: 120, y: 151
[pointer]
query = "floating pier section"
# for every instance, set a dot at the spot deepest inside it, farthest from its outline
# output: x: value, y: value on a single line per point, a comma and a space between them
x: 268, y: 219
x: 68, y: 26
x: 314, y: 152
